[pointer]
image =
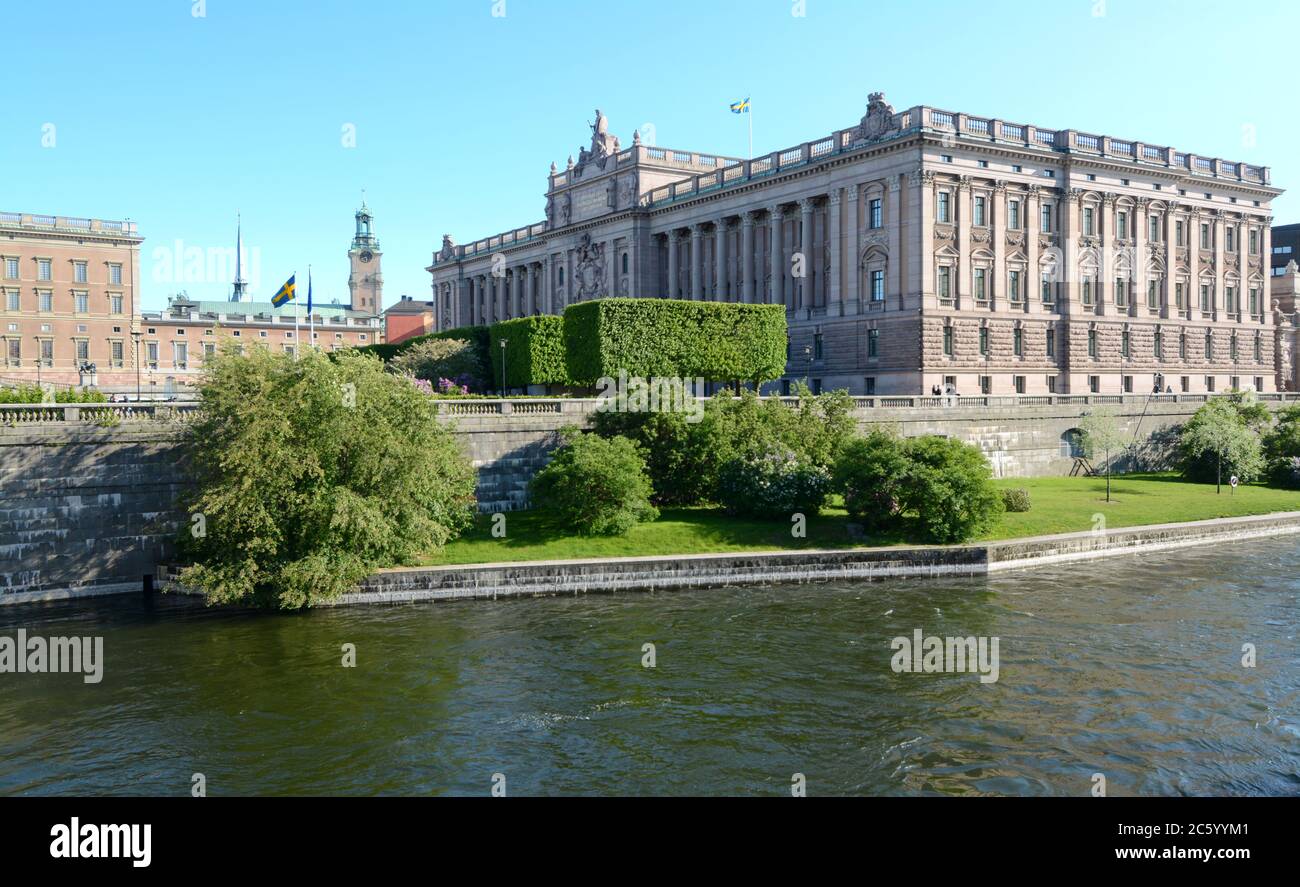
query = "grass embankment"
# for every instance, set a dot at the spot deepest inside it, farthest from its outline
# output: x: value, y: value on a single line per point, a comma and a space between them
x: 1060, y: 505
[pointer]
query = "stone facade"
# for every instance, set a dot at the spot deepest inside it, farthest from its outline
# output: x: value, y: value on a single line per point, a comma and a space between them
x: 69, y: 291
x: 1058, y: 261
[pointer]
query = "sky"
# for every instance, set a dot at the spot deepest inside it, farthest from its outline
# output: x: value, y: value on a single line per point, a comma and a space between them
x: 183, y: 114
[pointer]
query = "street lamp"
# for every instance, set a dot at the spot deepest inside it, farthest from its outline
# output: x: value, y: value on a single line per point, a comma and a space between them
x: 504, y: 342
x: 808, y: 356
x: 135, y: 339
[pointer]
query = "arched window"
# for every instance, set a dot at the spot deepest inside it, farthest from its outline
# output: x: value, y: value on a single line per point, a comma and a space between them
x: 1072, y: 444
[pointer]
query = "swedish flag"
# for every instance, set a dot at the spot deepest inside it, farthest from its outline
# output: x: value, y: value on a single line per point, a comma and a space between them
x: 741, y: 107
x: 286, y: 293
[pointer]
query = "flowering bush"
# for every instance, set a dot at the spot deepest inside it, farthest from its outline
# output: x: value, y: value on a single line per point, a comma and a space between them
x: 774, y: 485
x: 457, y: 387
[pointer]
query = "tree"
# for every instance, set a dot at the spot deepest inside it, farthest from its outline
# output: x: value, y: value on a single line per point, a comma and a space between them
x: 434, y: 359
x: 949, y: 486
x: 1282, y: 449
x: 312, y: 473
x: 1102, y: 435
x: 595, y: 486
x: 1218, y: 439
x: 869, y: 475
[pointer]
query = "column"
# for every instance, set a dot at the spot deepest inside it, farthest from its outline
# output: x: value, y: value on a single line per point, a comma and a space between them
x: 803, y: 288
x: 528, y: 307
x: 1067, y: 299
x: 516, y: 307
x: 924, y: 181
x: 965, y: 222
x: 1030, y: 223
x: 697, y: 262
x: 1193, y: 265
x: 1106, y: 234
x: 1139, y: 262
x: 776, y: 293
x: 850, y: 296
x: 672, y: 265
x: 1169, y: 309
x: 999, y: 212
x: 546, y: 285
x: 834, y: 293
x: 1220, y: 280
x: 747, y: 256
x: 720, y: 259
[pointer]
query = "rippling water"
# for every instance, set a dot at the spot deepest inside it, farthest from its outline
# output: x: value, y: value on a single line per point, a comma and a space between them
x: 1127, y: 667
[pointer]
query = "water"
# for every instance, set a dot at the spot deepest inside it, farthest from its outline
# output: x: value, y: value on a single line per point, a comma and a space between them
x: 1130, y: 667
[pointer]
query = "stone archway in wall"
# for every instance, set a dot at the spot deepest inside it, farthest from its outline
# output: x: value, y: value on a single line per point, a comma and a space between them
x: 1071, y: 444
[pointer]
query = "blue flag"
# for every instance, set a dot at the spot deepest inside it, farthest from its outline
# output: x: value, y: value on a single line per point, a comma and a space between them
x: 309, y: 291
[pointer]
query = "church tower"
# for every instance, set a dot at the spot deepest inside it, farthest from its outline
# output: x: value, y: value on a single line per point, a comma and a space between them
x: 366, y: 280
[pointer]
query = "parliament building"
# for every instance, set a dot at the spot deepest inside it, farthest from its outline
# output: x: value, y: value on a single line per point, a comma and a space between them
x: 917, y: 249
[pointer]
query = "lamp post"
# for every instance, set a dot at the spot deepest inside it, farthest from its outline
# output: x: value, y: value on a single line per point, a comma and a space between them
x: 135, y: 340
x: 504, y: 342
x: 808, y: 356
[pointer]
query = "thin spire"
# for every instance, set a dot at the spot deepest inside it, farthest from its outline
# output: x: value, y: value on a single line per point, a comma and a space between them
x: 238, y: 294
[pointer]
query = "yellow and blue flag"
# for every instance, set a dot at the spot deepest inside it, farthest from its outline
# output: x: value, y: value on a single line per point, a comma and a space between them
x: 741, y: 107
x: 286, y: 293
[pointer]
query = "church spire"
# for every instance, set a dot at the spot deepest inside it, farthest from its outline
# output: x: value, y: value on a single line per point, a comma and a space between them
x: 240, y: 293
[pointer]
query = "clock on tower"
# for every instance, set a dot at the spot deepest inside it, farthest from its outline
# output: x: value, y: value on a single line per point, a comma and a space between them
x: 366, y: 281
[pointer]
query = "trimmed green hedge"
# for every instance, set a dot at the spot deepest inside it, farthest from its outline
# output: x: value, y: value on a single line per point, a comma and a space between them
x: 478, y: 335
x: 534, y: 351
x: 718, y: 341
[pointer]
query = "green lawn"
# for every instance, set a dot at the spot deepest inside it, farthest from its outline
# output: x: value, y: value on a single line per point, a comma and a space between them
x: 1060, y: 505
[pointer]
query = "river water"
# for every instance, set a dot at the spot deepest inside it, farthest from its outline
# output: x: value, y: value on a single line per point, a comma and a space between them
x: 1127, y: 667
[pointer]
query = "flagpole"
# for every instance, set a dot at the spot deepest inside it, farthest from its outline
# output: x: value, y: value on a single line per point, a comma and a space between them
x: 311, y: 316
x: 297, y: 337
x: 750, y: 109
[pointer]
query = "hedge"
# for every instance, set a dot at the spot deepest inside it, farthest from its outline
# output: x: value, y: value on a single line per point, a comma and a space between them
x: 718, y: 341
x: 478, y: 335
x: 534, y: 351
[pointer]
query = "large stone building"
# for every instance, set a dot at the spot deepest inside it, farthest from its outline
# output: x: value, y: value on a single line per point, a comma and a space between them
x: 916, y: 249
x: 68, y: 297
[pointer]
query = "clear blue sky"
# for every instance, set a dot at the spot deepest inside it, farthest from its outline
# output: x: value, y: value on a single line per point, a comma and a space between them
x: 179, y: 122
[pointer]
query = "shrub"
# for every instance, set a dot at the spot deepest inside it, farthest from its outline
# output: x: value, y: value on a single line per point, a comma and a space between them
x: 312, y: 473
x: 36, y: 394
x: 949, y: 488
x: 670, y: 337
x: 868, y: 475
x: 773, y: 486
x: 1216, y: 443
x: 1015, y: 501
x: 684, y: 456
x: 434, y: 359
x: 534, y: 351
x: 596, y: 486
x: 477, y: 336
x: 1282, y: 449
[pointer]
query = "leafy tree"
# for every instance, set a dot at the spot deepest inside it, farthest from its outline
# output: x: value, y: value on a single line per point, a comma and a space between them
x: 1282, y: 449
x: 1103, y: 436
x: 949, y: 487
x: 434, y: 359
x: 1217, y: 441
x: 312, y: 473
x: 597, y: 486
x: 869, y: 474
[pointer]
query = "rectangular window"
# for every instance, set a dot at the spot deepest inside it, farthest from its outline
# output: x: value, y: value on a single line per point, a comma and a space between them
x: 1046, y: 288
x: 873, y: 343
x: 1020, y: 384
x: 1259, y: 383
x: 1232, y: 349
x: 874, y: 213
x: 115, y: 303
x: 945, y: 214
x: 115, y: 353
x: 1205, y: 236
x: 986, y: 384
x: 1094, y: 384
x: 44, y: 269
x: 1087, y: 291
x: 83, y: 349
x: 45, y: 300
x: 945, y: 282
x: 79, y: 272
x: 81, y: 303
x: 1254, y: 301
x: 871, y: 385
x: 210, y: 349
x: 1013, y: 215
x: 1259, y: 354
x: 1254, y: 241
x: 115, y: 275
x: 1180, y: 300
x: 181, y: 355
x: 1121, y: 226
x: 14, y: 352
x: 1121, y: 292
x: 1047, y: 218
x: 1209, y: 346
x: 1128, y: 384
x: 1182, y: 346
x: 878, y: 286
x: 1153, y: 233
x: 1230, y: 299
x: 1051, y: 343
x: 1153, y: 295
x: 47, y: 352
x: 1229, y: 242
x: 1089, y: 228
x: 151, y: 354
x: 1158, y: 348
x: 1092, y: 343
x: 984, y: 340
x: 1123, y: 343
x: 1014, y: 289
x: 11, y: 268
x: 1180, y: 238
x: 981, y: 287
x: 1051, y: 384
x: 1205, y: 297
x: 979, y: 218
x: 1209, y: 383
x: 817, y: 346
x: 947, y: 341
x: 1018, y: 342
x: 1185, y: 384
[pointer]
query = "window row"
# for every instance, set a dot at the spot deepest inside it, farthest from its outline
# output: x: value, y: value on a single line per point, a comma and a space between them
x: 45, y: 270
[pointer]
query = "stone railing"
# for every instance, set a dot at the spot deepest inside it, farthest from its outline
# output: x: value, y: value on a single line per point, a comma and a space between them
x: 67, y: 223
x: 102, y: 414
